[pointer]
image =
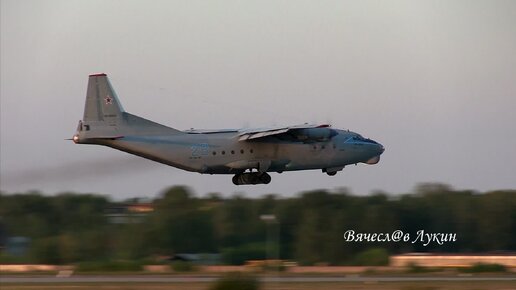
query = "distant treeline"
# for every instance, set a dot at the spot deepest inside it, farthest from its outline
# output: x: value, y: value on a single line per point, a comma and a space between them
x: 68, y: 228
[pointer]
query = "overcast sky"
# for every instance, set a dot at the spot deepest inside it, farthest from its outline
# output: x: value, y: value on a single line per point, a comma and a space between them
x: 433, y: 81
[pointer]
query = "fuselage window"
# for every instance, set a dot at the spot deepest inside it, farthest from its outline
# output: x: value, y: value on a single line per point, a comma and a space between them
x: 241, y: 151
x: 232, y: 151
x: 223, y: 152
x: 251, y: 151
x: 214, y: 153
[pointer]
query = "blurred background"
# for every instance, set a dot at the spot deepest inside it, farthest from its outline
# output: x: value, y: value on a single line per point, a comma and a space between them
x: 307, y: 229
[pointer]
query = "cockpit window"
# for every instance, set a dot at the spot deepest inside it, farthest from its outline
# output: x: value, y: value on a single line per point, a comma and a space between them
x: 359, y: 138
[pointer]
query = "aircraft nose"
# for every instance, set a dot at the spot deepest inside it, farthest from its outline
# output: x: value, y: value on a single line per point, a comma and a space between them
x: 376, y: 147
x: 380, y: 148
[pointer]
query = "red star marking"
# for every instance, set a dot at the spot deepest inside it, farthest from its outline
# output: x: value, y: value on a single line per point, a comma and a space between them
x: 109, y: 100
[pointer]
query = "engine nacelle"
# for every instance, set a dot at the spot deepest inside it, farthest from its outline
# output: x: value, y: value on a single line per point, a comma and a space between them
x: 315, y: 134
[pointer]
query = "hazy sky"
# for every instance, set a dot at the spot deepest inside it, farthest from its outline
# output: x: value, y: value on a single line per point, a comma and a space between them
x: 433, y: 81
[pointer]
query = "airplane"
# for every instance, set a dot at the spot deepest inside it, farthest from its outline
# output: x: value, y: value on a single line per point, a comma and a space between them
x: 248, y: 154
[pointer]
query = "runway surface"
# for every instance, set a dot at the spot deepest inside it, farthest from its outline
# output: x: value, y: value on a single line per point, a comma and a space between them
x: 207, y: 279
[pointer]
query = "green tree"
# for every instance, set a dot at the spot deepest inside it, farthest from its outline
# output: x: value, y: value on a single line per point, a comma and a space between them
x: 181, y: 223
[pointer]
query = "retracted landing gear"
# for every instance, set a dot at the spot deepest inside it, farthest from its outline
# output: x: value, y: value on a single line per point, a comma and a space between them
x: 251, y: 178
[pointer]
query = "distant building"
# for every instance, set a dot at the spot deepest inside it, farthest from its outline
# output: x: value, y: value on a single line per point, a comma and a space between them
x: 452, y: 260
x: 17, y: 246
x: 133, y: 211
x: 3, y: 235
x: 140, y: 207
x: 198, y: 259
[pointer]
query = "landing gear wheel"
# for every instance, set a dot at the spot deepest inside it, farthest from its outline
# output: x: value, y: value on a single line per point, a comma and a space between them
x: 331, y: 173
x: 235, y: 179
x: 265, y: 178
x: 251, y: 178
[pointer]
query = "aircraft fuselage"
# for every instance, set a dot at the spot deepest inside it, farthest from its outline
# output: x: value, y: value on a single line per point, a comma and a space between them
x: 247, y: 153
x: 222, y: 153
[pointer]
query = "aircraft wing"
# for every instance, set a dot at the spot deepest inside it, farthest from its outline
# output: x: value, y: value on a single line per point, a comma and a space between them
x: 252, y: 134
x: 210, y: 131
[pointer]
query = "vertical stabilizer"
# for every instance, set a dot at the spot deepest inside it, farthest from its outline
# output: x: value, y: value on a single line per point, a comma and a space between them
x: 104, y: 116
x: 102, y: 103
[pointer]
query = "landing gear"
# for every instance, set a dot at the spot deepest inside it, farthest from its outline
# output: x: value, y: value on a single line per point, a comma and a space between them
x: 332, y: 170
x: 251, y: 178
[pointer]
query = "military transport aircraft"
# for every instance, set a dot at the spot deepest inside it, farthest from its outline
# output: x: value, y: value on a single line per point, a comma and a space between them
x: 247, y: 153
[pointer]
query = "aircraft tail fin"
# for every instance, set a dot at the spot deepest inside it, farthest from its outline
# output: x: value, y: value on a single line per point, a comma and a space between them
x: 102, y: 103
x: 104, y: 116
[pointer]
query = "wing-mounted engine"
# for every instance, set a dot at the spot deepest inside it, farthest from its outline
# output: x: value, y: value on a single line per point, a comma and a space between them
x: 314, y: 134
x: 301, y: 133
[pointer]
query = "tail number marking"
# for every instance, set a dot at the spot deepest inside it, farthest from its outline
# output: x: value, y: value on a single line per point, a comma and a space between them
x: 200, y: 149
